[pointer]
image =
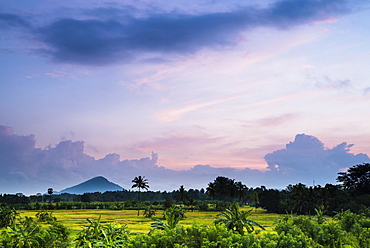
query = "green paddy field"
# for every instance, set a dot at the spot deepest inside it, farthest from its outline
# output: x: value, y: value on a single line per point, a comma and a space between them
x: 76, y: 219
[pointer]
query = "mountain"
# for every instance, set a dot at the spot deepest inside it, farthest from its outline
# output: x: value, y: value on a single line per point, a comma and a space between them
x: 96, y: 184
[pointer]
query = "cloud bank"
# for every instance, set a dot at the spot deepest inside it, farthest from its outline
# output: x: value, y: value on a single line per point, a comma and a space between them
x: 97, y: 39
x: 28, y: 169
x: 306, y: 158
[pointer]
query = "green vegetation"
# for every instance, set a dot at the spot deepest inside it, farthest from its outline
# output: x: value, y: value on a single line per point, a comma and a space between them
x: 140, y: 183
x: 346, y: 229
x: 7, y: 216
x: 28, y: 232
x: 172, y: 216
x: 110, y: 220
x: 235, y: 219
x: 102, y: 235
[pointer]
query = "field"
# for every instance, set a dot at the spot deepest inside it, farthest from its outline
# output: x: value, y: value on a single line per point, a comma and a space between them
x: 76, y: 219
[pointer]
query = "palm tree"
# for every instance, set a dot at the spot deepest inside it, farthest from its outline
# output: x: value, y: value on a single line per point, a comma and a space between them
x: 211, y: 190
x: 234, y: 219
x: 182, y: 195
x: 140, y: 183
x: 50, y: 192
x: 241, y: 190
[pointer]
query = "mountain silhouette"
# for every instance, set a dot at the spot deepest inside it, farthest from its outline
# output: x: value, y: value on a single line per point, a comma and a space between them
x: 96, y: 184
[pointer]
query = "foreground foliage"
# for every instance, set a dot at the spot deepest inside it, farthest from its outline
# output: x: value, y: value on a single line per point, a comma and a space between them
x: 346, y: 229
x: 235, y: 219
x: 8, y: 216
x: 172, y: 216
x: 102, y: 235
x: 31, y: 233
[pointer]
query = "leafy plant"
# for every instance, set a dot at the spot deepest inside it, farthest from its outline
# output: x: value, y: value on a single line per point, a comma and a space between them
x: 7, y: 216
x: 149, y: 212
x: 45, y: 216
x: 235, y: 219
x: 99, y: 235
x: 28, y: 233
x: 194, y: 237
x: 320, y: 215
x: 172, y: 216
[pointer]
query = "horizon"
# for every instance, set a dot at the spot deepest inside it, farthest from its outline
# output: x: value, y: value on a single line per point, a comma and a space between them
x: 27, y: 168
x: 277, y: 89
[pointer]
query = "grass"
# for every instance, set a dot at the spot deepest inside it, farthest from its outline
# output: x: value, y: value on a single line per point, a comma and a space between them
x: 76, y: 219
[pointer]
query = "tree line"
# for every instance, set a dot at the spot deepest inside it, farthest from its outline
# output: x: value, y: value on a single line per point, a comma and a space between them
x: 352, y: 192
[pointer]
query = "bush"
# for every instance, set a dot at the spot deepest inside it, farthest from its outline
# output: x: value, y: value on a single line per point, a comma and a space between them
x: 193, y: 237
x: 7, y: 216
x: 99, y: 235
x: 149, y: 212
x: 172, y: 216
x: 203, y: 207
x: 45, y: 216
x: 221, y: 205
x: 346, y: 230
x: 28, y: 233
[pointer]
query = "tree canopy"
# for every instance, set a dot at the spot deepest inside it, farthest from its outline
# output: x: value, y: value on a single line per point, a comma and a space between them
x: 356, y: 178
x: 226, y: 188
x: 140, y: 183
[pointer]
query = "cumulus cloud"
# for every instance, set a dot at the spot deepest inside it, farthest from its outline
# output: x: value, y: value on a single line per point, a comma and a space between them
x: 306, y: 159
x: 124, y: 37
x: 27, y: 169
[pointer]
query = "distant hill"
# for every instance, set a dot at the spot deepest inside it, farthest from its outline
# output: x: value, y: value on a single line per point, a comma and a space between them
x: 96, y: 184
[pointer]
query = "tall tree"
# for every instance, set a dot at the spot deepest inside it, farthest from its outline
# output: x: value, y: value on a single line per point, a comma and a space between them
x: 211, y: 190
x: 241, y: 190
x: 140, y: 183
x: 356, y: 178
x: 223, y: 188
x: 181, y: 195
x: 50, y: 192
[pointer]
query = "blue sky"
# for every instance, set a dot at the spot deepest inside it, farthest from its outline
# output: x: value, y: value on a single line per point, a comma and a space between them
x: 219, y: 83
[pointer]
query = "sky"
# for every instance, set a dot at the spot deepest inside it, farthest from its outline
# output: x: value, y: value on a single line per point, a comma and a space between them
x: 266, y: 92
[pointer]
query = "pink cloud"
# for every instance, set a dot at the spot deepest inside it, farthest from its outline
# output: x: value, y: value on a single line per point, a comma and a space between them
x: 277, y: 120
x: 327, y: 20
x: 176, y: 113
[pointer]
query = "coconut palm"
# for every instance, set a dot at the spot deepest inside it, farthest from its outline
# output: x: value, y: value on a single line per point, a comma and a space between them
x: 50, y: 192
x: 237, y: 220
x: 140, y: 183
x: 241, y: 190
x: 211, y: 190
x: 182, y: 195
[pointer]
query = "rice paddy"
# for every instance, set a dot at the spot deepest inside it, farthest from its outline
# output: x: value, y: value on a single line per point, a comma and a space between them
x: 76, y: 219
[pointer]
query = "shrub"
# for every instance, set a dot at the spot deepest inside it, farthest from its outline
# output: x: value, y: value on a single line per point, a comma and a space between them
x: 348, y: 221
x: 221, y: 205
x: 149, y: 212
x: 194, y: 237
x: 235, y: 219
x: 45, y: 216
x: 172, y: 216
x: 284, y: 240
x: 99, y: 235
x: 346, y: 230
x: 28, y: 233
x: 203, y: 207
x: 7, y: 216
